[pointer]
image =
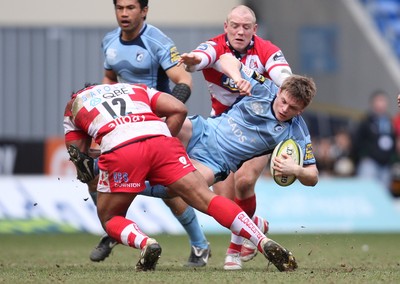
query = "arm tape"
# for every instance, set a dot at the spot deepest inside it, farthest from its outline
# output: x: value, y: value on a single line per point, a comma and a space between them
x: 182, y: 92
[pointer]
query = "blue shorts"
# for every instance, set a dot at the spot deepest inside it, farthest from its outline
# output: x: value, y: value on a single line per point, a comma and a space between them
x: 203, y: 148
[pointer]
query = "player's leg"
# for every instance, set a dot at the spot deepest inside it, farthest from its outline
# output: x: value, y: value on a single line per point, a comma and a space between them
x: 103, y: 249
x: 112, y: 209
x: 200, y: 249
x: 226, y: 187
x: 244, y: 183
x: 194, y: 190
x: 106, y: 244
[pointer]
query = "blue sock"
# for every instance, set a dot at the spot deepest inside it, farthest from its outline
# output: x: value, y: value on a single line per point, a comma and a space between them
x: 192, y: 227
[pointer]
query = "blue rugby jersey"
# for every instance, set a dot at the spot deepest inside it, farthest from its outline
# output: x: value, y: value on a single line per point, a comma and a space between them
x: 143, y: 60
x: 248, y: 129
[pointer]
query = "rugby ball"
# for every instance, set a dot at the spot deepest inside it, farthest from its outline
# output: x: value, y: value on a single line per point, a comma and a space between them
x: 292, y: 148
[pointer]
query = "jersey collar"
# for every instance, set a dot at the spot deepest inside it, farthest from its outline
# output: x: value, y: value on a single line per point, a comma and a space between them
x: 237, y: 54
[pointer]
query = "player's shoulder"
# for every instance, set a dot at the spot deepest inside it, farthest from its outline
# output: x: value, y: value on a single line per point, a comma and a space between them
x: 264, y: 47
x: 110, y: 37
x: 263, y: 42
x: 155, y: 36
x: 301, y: 125
x: 112, y: 34
x: 219, y: 38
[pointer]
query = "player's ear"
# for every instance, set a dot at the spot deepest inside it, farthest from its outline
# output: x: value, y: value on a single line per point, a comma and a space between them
x: 144, y: 12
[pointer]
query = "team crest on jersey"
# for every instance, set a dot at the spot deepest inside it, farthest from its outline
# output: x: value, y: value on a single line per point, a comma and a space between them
x: 183, y: 160
x: 139, y: 56
x: 253, y: 64
x: 278, y: 127
x: 174, y: 54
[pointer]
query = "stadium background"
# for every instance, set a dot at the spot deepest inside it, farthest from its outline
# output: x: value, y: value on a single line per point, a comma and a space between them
x: 50, y: 48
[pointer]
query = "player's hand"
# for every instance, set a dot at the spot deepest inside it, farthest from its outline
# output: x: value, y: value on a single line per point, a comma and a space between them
x: 84, y: 164
x: 285, y: 165
x: 189, y: 59
x: 243, y: 86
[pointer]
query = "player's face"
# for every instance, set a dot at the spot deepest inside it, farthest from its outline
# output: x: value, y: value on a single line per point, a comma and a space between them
x: 240, y: 29
x: 286, y: 107
x: 130, y: 17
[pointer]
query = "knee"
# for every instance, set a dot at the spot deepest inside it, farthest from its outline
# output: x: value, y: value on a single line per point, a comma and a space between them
x: 245, y: 182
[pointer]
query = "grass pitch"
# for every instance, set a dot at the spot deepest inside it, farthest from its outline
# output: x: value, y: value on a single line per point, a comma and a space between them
x: 322, y: 258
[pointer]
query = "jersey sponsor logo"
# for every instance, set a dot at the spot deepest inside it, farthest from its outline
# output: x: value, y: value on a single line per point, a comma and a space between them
x: 121, y: 179
x: 95, y: 101
x: 236, y: 130
x: 174, y: 54
x: 309, y: 153
x: 228, y: 83
x: 258, y: 77
x: 202, y: 46
x: 279, y: 57
x: 110, y: 93
x: 126, y: 119
x: 128, y: 184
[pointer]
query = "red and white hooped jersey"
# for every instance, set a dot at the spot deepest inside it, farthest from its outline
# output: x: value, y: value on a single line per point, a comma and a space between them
x: 113, y: 115
x: 262, y: 56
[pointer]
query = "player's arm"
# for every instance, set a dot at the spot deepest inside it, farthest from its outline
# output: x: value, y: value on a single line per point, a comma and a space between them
x: 109, y: 77
x: 279, y: 73
x: 231, y: 66
x: 190, y: 61
x: 183, y: 82
x: 285, y: 165
x: 196, y: 61
x: 278, y: 68
x: 173, y: 110
x: 307, y: 175
x: 78, y: 143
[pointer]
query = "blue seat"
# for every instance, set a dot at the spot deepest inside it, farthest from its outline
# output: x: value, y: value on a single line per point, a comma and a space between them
x: 384, y: 8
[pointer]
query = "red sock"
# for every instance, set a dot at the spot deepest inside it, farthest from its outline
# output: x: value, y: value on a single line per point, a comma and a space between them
x: 223, y: 210
x: 248, y: 205
x: 231, y: 216
x: 126, y: 232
